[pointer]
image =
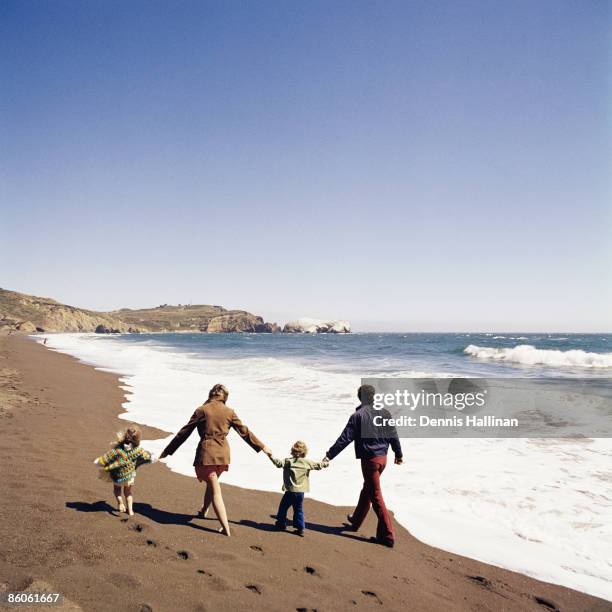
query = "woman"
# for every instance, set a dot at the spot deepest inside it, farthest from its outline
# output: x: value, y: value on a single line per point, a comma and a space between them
x: 213, y: 420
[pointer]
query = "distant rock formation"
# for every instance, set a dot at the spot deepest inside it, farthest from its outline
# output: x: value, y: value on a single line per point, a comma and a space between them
x: 28, y: 314
x: 316, y: 326
x: 240, y: 322
x: 195, y: 318
x: 103, y: 329
x: 267, y: 328
x: 27, y: 327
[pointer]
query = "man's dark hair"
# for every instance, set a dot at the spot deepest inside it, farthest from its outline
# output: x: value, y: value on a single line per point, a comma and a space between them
x: 366, y: 393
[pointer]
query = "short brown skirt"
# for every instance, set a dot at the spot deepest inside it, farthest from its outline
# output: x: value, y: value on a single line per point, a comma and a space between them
x: 203, y: 472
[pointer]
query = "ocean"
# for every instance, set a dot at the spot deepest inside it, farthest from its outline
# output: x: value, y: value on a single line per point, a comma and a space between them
x: 542, y: 507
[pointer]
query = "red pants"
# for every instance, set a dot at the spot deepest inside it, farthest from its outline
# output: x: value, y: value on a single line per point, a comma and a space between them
x: 371, y: 494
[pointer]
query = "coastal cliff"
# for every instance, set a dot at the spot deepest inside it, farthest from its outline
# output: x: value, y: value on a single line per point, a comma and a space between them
x: 194, y: 318
x: 28, y: 314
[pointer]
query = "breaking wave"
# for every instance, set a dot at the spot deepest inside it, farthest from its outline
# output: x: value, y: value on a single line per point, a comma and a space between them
x: 527, y: 354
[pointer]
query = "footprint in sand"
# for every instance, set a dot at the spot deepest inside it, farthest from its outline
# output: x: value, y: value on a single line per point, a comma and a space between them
x: 137, y: 527
x: 183, y: 554
x: 311, y: 570
x: 256, y: 548
x: 253, y: 588
x: 372, y: 595
x: 151, y: 543
x: 40, y: 507
x: 123, y: 580
x: 546, y: 603
x: 485, y: 582
x: 215, y: 583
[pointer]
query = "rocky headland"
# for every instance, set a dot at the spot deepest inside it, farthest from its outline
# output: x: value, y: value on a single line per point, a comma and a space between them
x: 29, y: 314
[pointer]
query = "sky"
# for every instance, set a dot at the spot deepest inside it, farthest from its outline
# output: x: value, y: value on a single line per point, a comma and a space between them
x: 408, y: 166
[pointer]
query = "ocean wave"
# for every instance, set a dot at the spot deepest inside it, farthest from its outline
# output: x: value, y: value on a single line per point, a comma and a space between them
x: 527, y: 354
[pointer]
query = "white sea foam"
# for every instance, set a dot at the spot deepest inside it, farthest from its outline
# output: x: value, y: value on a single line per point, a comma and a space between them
x: 529, y: 355
x: 537, y: 507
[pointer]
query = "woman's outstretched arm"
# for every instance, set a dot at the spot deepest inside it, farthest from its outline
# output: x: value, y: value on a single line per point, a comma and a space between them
x: 247, y: 435
x: 182, y: 435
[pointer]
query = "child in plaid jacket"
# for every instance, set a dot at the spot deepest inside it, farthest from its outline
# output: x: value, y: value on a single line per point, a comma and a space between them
x: 120, y: 464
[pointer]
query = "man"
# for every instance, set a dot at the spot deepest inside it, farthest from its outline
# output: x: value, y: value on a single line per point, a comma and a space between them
x: 371, y: 447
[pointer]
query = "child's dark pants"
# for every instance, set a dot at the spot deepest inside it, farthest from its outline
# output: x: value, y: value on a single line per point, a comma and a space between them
x: 297, y: 501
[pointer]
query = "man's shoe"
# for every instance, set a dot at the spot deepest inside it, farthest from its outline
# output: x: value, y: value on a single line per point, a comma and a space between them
x: 299, y: 532
x: 387, y: 543
x: 280, y: 526
x: 349, y: 521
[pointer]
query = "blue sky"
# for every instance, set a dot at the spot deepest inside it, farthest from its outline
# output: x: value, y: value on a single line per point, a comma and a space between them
x: 404, y: 165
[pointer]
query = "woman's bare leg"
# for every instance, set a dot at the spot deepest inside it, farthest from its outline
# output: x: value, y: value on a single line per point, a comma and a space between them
x: 217, y: 502
x: 127, y: 491
x: 208, y: 497
x: 117, y: 494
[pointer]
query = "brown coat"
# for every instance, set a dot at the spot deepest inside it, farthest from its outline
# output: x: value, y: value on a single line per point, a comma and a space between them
x: 214, y: 420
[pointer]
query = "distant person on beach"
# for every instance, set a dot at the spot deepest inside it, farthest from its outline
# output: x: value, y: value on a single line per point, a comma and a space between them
x: 213, y: 420
x: 372, y: 451
x: 120, y: 464
x: 296, y: 471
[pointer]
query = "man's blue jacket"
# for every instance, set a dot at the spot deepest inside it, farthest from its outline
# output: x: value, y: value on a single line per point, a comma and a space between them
x: 370, y: 440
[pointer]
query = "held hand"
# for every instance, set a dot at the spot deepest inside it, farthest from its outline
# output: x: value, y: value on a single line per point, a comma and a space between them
x: 267, y: 451
x: 399, y: 461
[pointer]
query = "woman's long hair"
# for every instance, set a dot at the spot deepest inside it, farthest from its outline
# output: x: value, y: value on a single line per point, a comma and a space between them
x: 218, y: 392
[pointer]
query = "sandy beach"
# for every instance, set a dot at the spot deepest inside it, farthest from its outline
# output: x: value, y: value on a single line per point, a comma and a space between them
x: 59, y: 525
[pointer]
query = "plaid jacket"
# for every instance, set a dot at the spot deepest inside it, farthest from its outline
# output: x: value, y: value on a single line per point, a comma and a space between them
x: 122, y: 463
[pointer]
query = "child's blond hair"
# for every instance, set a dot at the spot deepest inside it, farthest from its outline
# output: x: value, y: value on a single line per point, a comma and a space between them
x: 299, y: 449
x: 130, y: 436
